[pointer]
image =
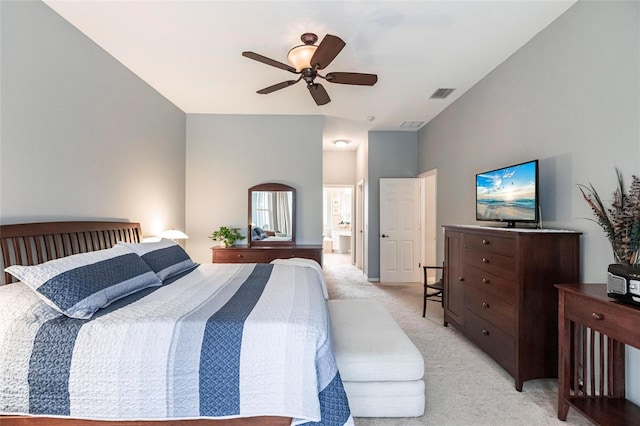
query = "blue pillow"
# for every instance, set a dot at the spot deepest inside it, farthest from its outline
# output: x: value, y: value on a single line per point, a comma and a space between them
x: 259, y: 234
x: 79, y: 285
x: 165, y: 257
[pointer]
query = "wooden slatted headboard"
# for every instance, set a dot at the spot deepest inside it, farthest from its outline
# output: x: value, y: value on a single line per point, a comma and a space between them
x: 34, y: 243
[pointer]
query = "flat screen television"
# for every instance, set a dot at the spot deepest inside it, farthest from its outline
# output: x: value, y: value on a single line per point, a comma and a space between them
x: 508, y: 194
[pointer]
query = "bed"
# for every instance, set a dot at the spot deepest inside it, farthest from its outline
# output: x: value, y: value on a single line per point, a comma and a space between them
x: 258, y: 234
x: 218, y: 344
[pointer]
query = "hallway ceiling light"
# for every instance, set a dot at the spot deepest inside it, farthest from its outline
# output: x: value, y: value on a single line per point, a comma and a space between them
x: 341, y: 143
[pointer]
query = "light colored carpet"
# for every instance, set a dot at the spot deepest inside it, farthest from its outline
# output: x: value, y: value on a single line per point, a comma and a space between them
x: 464, y: 386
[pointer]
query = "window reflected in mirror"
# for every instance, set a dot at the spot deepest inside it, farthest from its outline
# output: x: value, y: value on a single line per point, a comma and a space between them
x: 272, y: 212
x: 272, y: 215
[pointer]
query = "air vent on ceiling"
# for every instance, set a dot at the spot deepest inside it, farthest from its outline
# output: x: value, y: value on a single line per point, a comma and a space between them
x: 412, y: 124
x: 441, y: 93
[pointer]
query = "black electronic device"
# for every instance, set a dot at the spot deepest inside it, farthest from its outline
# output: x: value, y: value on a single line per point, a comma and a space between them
x: 623, y: 283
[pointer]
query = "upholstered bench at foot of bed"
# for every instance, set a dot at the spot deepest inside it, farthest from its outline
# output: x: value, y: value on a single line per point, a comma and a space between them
x: 380, y: 367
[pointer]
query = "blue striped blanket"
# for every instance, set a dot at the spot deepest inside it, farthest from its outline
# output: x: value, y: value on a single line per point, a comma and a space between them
x: 223, y: 341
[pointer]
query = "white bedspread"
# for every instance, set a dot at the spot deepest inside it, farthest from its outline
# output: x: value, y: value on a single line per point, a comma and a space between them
x: 306, y: 263
x: 225, y: 341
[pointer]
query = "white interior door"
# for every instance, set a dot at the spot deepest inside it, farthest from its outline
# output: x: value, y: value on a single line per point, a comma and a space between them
x: 399, y: 230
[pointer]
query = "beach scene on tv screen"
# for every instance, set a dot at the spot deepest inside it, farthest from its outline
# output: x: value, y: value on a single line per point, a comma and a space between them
x: 507, y: 194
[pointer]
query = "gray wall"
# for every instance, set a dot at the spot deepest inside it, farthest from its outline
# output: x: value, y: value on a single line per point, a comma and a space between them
x: 82, y: 136
x: 570, y: 97
x: 228, y: 154
x: 390, y: 155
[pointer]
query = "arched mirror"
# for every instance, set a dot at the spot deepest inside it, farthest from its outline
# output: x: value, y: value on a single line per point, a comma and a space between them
x: 272, y: 215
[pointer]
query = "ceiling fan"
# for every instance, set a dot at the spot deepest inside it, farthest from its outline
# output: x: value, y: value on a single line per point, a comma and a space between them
x: 306, y: 60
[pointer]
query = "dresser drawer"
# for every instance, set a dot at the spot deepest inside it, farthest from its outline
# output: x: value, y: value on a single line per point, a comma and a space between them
x: 496, y: 264
x: 498, y: 344
x: 492, y: 309
x: 491, y: 243
x: 497, y: 285
x: 231, y: 255
x: 601, y: 316
x: 244, y: 254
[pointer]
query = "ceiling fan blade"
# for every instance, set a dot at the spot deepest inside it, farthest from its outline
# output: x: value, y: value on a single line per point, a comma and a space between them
x: 269, y: 61
x: 277, y: 86
x: 319, y: 94
x: 352, y: 78
x: 327, y: 51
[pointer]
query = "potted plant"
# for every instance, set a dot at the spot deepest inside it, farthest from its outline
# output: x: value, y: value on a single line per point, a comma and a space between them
x: 621, y: 220
x: 227, y: 235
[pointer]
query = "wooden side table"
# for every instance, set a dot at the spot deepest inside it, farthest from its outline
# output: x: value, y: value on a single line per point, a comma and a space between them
x: 592, y: 332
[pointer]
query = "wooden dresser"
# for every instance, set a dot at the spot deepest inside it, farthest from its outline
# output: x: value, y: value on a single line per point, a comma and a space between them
x: 264, y: 254
x: 593, y: 330
x: 499, y: 291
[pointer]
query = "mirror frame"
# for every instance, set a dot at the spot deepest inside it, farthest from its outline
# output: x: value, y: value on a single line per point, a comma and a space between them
x: 273, y: 187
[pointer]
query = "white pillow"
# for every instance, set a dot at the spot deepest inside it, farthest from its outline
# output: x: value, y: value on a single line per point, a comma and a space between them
x: 79, y: 285
x: 165, y: 257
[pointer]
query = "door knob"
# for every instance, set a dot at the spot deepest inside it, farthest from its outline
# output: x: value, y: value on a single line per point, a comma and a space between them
x: 384, y: 236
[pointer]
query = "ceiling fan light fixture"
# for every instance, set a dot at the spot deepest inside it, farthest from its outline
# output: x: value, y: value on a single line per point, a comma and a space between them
x: 341, y: 143
x: 300, y: 56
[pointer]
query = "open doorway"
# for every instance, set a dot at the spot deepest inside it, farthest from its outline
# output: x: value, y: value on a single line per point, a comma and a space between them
x: 428, y: 184
x: 358, y: 228
x: 337, y: 224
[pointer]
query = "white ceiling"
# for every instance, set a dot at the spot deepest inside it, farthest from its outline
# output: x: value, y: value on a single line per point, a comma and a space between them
x: 190, y: 52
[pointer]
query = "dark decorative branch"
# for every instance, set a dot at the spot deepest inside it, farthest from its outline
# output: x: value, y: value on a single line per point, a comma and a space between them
x: 621, y: 221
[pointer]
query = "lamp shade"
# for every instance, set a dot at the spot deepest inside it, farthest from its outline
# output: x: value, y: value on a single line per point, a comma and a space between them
x: 300, y: 56
x: 173, y: 234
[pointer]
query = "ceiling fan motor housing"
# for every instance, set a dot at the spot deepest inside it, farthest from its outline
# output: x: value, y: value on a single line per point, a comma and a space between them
x: 309, y: 74
x: 309, y: 38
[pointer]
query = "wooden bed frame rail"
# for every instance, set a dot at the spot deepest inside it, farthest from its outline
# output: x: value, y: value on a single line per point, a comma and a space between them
x: 55, y: 421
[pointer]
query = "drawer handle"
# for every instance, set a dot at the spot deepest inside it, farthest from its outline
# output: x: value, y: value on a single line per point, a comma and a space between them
x: 597, y: 316
x: 485, y: 242
x: 460, y: 279
x: 485, y: 280
x: 485, y: 332
x: 239, y: 255
x: 485, y: 260
x: 485, y: 305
